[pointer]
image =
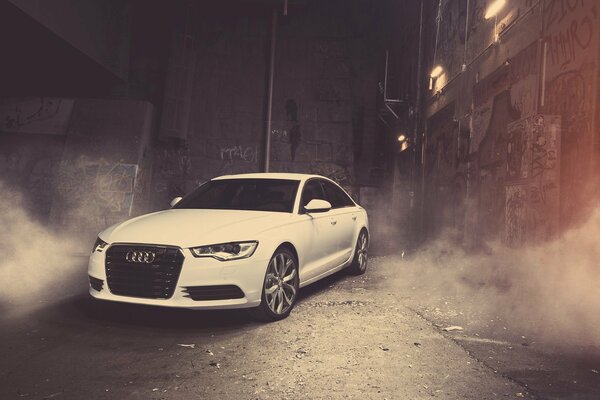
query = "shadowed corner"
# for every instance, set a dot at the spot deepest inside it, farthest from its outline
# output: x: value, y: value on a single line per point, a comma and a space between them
x: 565, y: 382
x: 84, y: 307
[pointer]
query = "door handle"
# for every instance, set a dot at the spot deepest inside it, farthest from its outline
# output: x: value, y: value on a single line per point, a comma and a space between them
x: 354, y: 218
x: 333, y: 222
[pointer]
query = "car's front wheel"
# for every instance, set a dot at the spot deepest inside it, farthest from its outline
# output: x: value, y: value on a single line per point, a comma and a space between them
x: 280, y: 287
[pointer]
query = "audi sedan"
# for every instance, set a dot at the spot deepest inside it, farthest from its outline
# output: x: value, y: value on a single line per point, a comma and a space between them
x: 238, y: 241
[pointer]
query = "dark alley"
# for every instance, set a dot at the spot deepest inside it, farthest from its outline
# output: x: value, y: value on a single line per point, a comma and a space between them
x: 299, y: 199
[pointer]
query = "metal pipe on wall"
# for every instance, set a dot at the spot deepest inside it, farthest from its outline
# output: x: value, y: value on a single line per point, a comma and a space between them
x: 417, y: 127
x: 270, y: 91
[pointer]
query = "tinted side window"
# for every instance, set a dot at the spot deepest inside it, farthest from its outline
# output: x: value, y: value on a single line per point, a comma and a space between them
x: 312, y: 190
x: 336, y: 196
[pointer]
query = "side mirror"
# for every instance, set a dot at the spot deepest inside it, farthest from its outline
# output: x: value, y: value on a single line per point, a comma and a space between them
x: 175, y: 201
x: 317, y: 206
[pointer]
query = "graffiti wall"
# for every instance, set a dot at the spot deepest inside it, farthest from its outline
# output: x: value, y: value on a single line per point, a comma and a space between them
x: 532, y: 115
x: 440, y: 170
x: 571, y: 44
x: 39, y: 115
x: 532, y: 180
x: 95, y: 192
x: 81, y: 164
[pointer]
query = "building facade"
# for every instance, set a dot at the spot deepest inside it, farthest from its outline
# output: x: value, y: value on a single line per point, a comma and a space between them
x: 507, y: 145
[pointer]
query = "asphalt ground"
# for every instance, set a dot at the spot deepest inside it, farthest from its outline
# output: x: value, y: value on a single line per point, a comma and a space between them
x: 369, y: 337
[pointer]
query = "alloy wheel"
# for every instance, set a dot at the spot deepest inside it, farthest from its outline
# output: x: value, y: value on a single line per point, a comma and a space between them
x: 281, y: 283
x: 363, y: 251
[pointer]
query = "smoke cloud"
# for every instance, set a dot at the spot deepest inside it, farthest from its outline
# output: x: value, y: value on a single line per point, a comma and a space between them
x: 36, y: 263
x: 550, y: 290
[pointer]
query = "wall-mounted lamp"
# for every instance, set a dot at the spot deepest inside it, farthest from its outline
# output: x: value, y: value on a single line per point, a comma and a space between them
x: 403, y: 140
x: 494, y: 8
x: 435, y: 73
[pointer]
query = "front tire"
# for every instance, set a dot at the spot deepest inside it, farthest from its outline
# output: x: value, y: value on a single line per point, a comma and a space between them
x: 361, y: 255
x: 280, y: 287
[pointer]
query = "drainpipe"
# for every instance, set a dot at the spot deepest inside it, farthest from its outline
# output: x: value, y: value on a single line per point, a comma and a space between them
x: 417, y: 127
x: 270, y: 91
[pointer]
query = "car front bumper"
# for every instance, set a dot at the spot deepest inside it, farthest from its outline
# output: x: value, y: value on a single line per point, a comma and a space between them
x: 247, y: 274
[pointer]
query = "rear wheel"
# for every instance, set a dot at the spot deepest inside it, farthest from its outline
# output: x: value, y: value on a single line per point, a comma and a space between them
x: 361, y: 255
x: 280, y: 287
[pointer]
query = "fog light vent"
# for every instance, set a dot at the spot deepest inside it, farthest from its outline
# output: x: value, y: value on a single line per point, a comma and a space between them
x: 96, y: 284
x: 219, y: 292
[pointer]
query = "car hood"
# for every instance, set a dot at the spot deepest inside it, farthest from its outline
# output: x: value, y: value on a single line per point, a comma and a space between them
x: 188, y: 227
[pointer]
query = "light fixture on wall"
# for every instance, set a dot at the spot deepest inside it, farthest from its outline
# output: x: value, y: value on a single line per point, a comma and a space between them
x: 494, y: 8
x: 492, y: 12
x: 403, y: 140
x: 435, y: 73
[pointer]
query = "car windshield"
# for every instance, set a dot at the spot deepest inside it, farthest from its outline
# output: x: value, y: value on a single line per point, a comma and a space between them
x: 276, y: 195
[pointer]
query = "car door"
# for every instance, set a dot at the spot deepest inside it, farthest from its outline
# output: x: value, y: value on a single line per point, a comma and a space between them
x: 344, y: 214
x: 321, y: 241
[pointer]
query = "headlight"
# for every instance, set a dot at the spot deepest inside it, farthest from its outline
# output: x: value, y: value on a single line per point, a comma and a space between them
x: 226, y: 251
x: 99, y: 245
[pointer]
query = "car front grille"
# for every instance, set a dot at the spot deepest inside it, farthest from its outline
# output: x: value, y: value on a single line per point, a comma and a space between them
x: 143, y: 271
x: 219, y: 292
x: 96, y: 284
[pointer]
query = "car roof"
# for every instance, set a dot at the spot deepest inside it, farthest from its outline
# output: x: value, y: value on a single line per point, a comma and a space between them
x: 270, y: 175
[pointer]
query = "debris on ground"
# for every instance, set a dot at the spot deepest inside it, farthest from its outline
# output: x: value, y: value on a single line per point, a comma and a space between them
x: 300, y: 353
x: 215, y: 364
x: 384, y: 348
x: 595, y: 371
x: 50, y: 396
x: 417, y: 344
x: 191, y: 346
x: 332, y: 303
x: 453, y: 328
x: 210, y: 353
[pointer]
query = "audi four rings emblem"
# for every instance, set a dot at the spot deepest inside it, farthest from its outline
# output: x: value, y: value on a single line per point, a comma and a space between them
x: 140, y: 256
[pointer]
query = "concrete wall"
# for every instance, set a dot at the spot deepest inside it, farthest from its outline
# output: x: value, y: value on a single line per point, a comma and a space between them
x: 81, y: 164
x: 510, y: 124
x: 104, y: 172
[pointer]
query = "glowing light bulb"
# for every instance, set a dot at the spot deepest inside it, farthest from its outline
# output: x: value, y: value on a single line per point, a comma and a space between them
x: 437, y: 71
x: 494, y: 8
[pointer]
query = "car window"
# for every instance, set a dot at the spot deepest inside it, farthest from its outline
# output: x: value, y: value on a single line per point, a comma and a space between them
x: 312, y: 190
x: 244, y: 194
x: 336, y: 196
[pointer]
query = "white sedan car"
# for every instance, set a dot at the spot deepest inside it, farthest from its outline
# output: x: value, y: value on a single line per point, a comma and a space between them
x: 238, y: 241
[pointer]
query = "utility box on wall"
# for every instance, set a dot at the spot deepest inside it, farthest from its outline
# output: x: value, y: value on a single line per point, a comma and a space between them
x: 532, y: 185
